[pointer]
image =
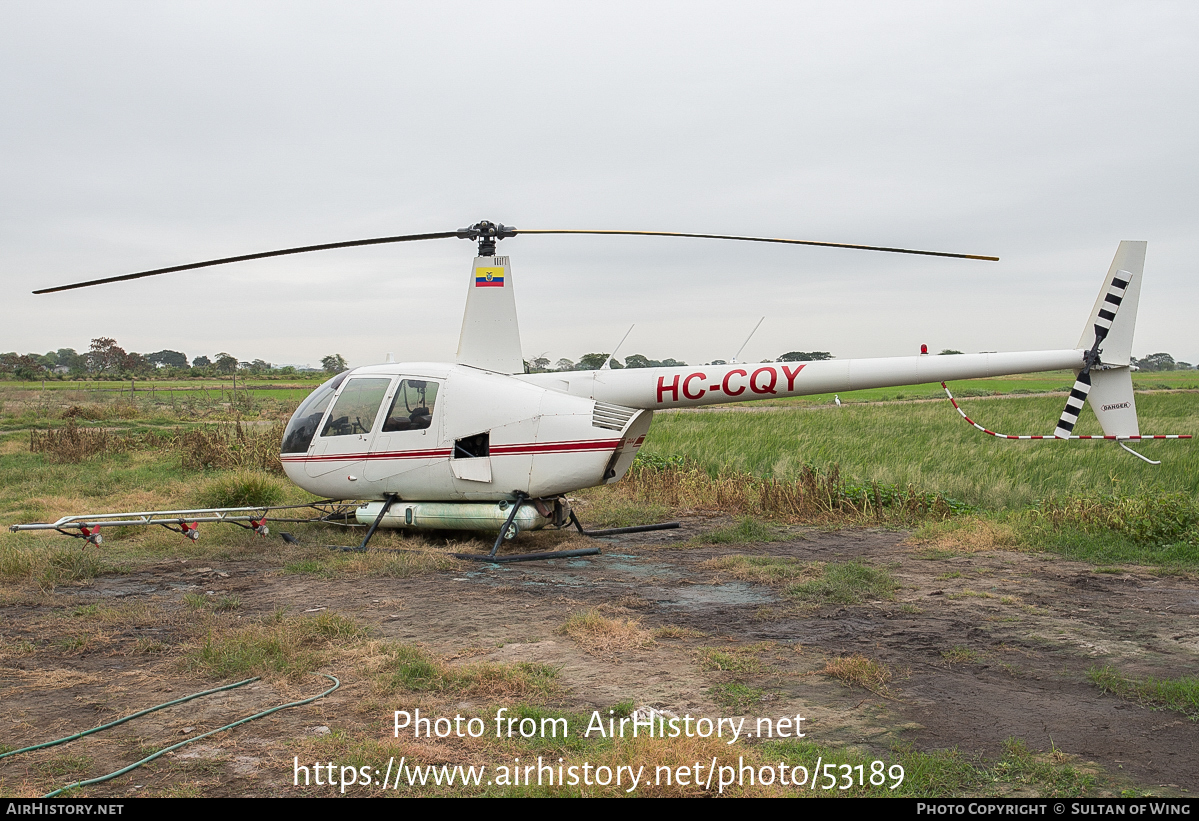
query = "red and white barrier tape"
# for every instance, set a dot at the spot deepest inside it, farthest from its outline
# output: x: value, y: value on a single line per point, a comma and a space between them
x: 1063, y: 438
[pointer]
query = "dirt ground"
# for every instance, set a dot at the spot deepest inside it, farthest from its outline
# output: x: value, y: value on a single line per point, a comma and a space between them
x: 983, y: 647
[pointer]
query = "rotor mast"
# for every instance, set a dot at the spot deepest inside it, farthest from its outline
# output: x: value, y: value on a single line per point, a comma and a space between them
x: 488, y: 234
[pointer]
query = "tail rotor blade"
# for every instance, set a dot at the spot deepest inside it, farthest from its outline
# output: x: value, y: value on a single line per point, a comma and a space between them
x: 1111, y: 304
x: 1074, y: 403
x: 1103, y: 324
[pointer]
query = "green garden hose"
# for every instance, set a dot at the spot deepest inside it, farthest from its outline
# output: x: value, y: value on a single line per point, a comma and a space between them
x: 126, y: 718
x: 164, y: 751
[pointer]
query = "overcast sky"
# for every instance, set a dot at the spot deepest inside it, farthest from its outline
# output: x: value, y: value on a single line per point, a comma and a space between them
x: 141, y: 135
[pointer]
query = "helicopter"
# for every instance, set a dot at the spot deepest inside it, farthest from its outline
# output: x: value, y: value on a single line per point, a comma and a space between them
x: 478, y: 444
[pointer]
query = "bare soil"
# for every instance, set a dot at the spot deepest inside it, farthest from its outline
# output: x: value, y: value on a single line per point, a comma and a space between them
x: 983, y: 647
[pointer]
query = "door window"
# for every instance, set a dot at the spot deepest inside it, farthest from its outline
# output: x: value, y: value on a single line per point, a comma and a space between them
x: 412, y: 407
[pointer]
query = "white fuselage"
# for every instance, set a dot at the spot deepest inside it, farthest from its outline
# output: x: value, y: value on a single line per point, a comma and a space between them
x: 691, y: 386
x: 538, y: 441
x: 486, y: 435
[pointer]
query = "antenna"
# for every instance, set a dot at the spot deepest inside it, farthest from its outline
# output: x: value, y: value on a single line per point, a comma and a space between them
x: 617, y: 348
x: 733, y: 361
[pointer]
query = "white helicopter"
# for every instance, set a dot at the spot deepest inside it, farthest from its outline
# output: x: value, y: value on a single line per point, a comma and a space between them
x: 478, y: 444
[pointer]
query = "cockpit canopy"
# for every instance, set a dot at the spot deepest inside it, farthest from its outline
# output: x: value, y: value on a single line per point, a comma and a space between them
x: 302, y: 427
x: 357, y: 407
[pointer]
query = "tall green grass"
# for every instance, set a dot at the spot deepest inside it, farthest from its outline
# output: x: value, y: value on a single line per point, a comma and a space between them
x: 928, y: 446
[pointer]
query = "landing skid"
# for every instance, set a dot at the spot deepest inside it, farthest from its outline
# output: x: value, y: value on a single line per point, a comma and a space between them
x: 553, y: 554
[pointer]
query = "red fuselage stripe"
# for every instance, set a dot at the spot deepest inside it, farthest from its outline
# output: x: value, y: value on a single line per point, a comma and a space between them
x: 443, y: 453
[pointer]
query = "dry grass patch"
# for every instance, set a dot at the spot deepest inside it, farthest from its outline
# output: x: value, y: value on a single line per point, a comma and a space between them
x: 960, y: 655
x: 49, y: 565
x: 845, y: 583
x: 403, y: 564
x: 741, y: 660
x: 415, y: 558
x: 967, y: 593
x: 857, y: 670
x: 279, y: 647
x: 672, y: 631
x: 12, y: 648
x: 965, y: 534
x: 604, y: 637
x: 412, y: 669
x: 764, y: 569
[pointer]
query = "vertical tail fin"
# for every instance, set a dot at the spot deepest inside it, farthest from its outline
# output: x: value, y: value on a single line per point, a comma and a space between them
x: 1107, y: 339
x: 1115, y: 308
x: 490, y: 334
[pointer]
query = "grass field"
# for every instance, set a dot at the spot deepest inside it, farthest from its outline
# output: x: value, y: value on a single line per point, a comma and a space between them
x: 929, y: 446
x: 1051, y: 381
x: 397, y: 629
x: 915, y: 451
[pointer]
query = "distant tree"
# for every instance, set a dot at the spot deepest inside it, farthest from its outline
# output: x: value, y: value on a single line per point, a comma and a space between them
x: 950, y: 352
x: 67, y: 358
x: 722, y: 362
x: 25, y: 366
x: 591, y: 361
x: 334, y: 363
x: 1156, y: 362
x: 564, y: 365
x: 258, y: 366
x: 135, y: 363
x: 105, y: 356
x: 804, y: 356
x: 539, y: 365
x: 639, y: 361
x: 226, y: 363
x: 167, y: 359
x: 201, y: 362
x: 1184, y: 366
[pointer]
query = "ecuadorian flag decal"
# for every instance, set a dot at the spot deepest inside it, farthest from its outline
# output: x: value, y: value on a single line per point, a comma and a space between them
x: 489, y: 277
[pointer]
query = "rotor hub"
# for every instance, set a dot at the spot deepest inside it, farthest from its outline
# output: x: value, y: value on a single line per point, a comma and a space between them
x: 488, y: 234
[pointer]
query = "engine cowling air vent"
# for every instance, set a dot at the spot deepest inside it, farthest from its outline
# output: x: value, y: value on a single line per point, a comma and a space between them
x: 611, y: 417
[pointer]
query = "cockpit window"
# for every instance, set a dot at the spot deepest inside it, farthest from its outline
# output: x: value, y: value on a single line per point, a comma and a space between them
x: 304, y: 422
x: 356, y: 407
x: 412, y: 407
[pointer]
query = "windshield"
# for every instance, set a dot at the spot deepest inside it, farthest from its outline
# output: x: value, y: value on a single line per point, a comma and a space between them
x: 357, y: 406
x: 307, y: 417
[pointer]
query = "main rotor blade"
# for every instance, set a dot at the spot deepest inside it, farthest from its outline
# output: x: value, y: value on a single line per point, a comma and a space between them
x: 245, y: 257
x: 481, y: 231
x: 761, y: 239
